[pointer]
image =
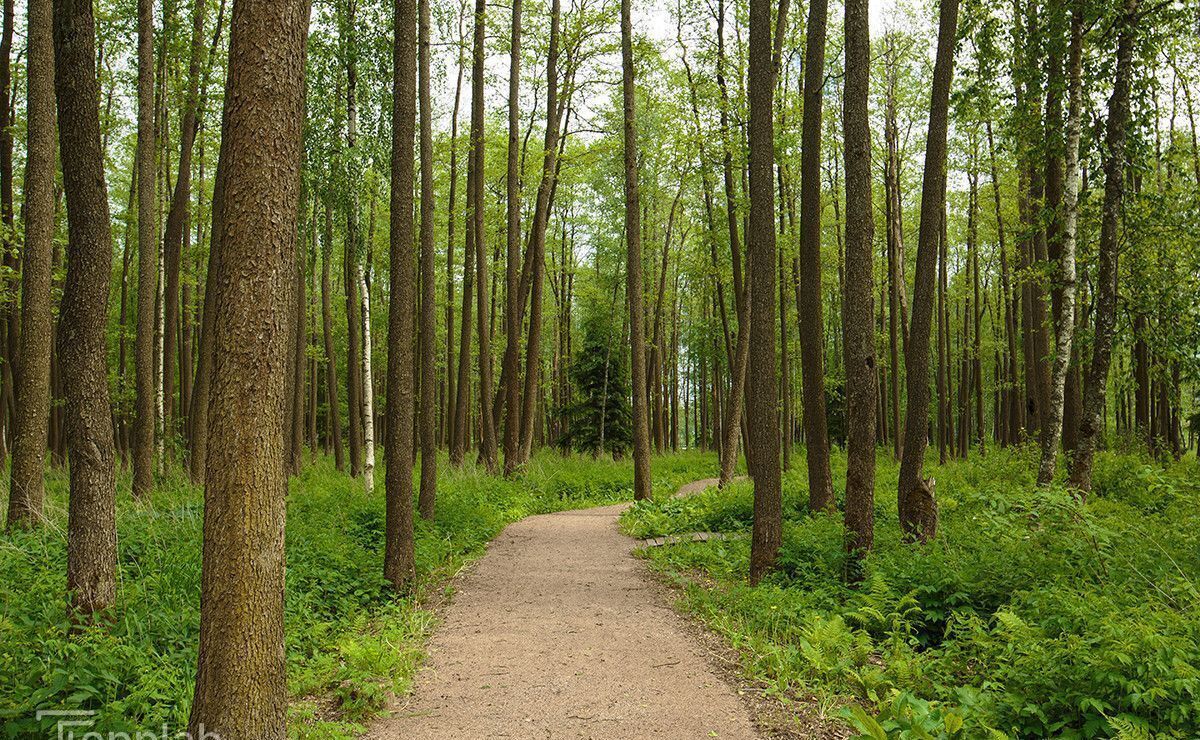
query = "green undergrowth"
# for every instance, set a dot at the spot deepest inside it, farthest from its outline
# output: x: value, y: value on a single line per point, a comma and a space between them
x: 350, y: 641
x: 1031, y: 615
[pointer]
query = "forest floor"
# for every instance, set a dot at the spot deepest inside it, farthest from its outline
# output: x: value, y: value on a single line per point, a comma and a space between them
x: 558, y: 631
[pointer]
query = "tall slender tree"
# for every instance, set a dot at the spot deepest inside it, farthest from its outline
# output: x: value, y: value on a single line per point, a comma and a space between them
x: 144, y: 419
x: 1096, y: 385
x: 428, y: 417
x: 633, y: 266
x: 807, y: 266
x: 514, y: 297
x: 1065, y: 314
x: 27, y: 492
x: 917, y: 504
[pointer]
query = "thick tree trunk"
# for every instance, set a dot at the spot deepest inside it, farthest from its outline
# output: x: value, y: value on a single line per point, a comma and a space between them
x: 762, y: 408
x: 859, y: 334
x: 82, y: 337
x: 917, y: 505
x: 633, y: 267
x: 399, y: 556
x: 144, y: 417
x: 1095, y: 389
x: 241, y: 683
x: 27, y: 492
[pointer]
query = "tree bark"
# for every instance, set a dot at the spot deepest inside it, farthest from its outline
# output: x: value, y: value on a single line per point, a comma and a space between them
x: 762, y: 410
x: 399, y: 556
x: 177, y: 221
x: 27, y: 492
x: 332, y: 410
x: 144, y: 416
x: 1106, y: 282
x: 916, y: 501
x: 808, y: 267
x: 859, y: 335
x: 633, y: 268
x: 428, y: 419
x: 241, y: 684
x: 1065, y: 311
x: 82, y: 340
x: 514, y: 297
x: 537, y: 238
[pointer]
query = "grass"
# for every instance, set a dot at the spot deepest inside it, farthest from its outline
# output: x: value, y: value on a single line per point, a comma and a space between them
x: 350, y: 641
x: 1031, y: 615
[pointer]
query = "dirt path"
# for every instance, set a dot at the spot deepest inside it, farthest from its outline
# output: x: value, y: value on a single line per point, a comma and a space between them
x: 557, y: 632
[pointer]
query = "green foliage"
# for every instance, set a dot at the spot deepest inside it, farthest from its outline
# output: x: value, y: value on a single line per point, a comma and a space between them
x: 601, y: 416
x: 350, y: 641
x: 1031, y: 615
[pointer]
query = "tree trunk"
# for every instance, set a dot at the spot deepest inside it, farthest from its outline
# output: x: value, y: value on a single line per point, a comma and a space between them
x: 514, y: 297
x: 763, y: 398
x: 917, y: 505
x: 177, y: 222
x: 144, y: 418
x: 451, y: 220
x: 1065, y: 312
x: 859, y: 334
x: 241, y: 683
x: 428, y: 419
x: 82, y: 336
x: 368, y: 391
x: 299, y: 364
x: 399, y: 556
x: 352, y: 257
x: 808, y: 267
x: 1095, y: 388
x: 27, y: 492
x: 537, y: 239
x: 633, y: 267
x: 332, y: 411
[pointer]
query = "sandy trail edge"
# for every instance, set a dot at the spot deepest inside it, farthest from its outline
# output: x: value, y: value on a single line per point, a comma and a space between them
x: 558, y: 632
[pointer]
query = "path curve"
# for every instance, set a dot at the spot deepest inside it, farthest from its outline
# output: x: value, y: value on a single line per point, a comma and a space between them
x: 558, y: 632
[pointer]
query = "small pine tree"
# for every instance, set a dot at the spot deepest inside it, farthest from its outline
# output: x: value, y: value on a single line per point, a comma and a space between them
x: 601, y: 418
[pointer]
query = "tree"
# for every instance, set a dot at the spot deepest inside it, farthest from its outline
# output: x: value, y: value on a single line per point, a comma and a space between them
x: 177, y: 218
x: 27, y: 492
x: 428, y: 490
x: 858, y: 307
x: 633, y: 266
x: 762, y: 410
x: 399, y: 556
x: 487, y: 438
x: 82, y: 340
x: 807, y: 266
x: 515, y: 298
x: 1065, y: 315
x: 241, y: 678
x: 537, y: 236
x: 144, y: 419
x: 1095, y: 387
x: 916, y: 501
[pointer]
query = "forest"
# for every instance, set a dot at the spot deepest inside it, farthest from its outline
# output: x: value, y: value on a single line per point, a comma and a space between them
x: 599, y: 368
